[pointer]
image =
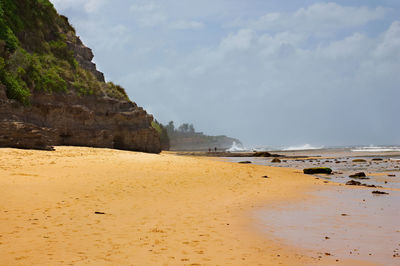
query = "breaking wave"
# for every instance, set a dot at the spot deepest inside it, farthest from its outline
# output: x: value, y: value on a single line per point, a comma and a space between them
x: 376, y: 149
x: 236, y: 147
x: 302, y: 147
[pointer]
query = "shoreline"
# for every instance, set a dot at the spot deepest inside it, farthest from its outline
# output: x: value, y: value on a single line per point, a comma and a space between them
x: 158, y: 209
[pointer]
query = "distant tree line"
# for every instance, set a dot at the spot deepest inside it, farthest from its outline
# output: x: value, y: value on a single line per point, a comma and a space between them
x: 169, y: 131
x: 183, y: 129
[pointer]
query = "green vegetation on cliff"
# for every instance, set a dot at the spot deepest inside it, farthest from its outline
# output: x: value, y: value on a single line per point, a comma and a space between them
x: 35, y: 55
x: 162, y: 132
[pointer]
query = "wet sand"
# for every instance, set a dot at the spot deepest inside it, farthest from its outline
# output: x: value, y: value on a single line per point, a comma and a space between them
x: 80, y: 206
x: 342, y: 221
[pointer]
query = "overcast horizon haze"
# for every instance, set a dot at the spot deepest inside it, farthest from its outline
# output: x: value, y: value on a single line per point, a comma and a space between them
x: 269, y: 73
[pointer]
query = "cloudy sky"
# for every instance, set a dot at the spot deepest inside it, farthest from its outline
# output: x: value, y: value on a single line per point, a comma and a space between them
x: 267, y: 72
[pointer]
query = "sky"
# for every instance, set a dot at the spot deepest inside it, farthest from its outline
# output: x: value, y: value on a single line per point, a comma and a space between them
x: 270, y: 73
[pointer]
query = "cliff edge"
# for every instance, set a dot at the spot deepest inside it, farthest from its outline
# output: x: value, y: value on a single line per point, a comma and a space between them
x: 51, y: 92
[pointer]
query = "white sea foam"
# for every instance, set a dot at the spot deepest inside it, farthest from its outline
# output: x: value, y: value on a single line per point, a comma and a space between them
x: 376, y: 149
x: 236, y: 147
x: 302, y: 147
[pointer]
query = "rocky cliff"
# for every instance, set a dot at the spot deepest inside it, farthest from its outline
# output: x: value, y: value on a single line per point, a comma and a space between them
x: 51, y: 92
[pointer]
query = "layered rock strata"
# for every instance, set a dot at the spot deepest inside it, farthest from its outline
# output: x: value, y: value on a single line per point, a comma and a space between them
x: 67, y: 119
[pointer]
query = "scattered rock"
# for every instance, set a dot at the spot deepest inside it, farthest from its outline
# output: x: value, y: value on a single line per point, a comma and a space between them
x: 327, y: 254
x: 359, y: 161
x: 377, y: 159
x: 391, y: 175
x: 379, y: 192
x: 356, y: 183
x: 275, y: 160
x: 262, y: 154
x: 245, y: 162
x: 327, y: 237
x: 317, y: 170
x: 265, y: 176
x: 344, y: 214
x: 360, y: 175
x: 99, y: 213
x: 353, y: 183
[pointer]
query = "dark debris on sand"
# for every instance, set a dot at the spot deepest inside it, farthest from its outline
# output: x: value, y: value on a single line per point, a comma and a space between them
x: 379, y: 192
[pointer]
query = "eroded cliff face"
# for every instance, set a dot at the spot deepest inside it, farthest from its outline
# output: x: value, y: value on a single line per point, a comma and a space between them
x: 67, y: 119
x: 83, y: 55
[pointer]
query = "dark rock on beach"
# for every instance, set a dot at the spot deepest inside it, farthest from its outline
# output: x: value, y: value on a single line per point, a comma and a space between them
x: 360, y: 175
x: 379, y: 192
x: 262, y: 154
x: 356, y: 183
x: 318, y: 170
x: 353, y: 183
x: 359, y: 161
x: 245, y: 162
x: 228, y: 154
x: 275, y: 160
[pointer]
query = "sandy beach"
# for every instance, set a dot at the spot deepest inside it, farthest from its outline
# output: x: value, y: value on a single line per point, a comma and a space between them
x: 151, y: 209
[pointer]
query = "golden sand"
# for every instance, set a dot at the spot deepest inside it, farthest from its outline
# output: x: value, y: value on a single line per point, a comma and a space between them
x: 158, y: 209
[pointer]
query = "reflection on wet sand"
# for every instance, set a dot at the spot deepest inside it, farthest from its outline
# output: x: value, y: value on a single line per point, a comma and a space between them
x: 341, y: 222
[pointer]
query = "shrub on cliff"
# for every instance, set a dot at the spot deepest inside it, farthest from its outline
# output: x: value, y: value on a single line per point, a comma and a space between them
x: 162, y: 132
x: 116, y: 91
x: 34, y: 54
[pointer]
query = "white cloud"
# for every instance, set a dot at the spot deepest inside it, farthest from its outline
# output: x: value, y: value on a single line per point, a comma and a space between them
x: 143, y: 8
x: 271, y: 44
x: 355, y: 45
x: 152, y: 19
x: 148, y: 14
x: 240, y: 40
x: 89, y: 6
x: 152, y: 15
x: 104, y: 37
x: 336, y: 15
x: 185, y: 25
x: 319, y: 18
x: 390, y: 46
